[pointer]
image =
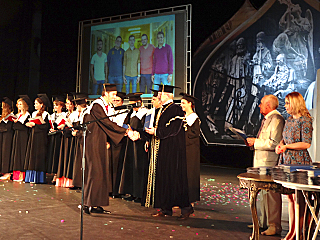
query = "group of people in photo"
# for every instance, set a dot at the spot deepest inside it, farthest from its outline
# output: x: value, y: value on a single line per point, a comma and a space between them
x: 147, y: 65
x: 147, y: 155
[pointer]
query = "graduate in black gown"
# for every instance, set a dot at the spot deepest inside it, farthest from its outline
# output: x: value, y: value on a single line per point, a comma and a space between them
x: 81, y: 105
x: 149, y: 122
x: 57, y: 122
x: 97, y: 179
x: 192, y: 127
x: 6, y: 136
x: 21, y: 137
x: 117, y: 151
x: 35, y: 164
x: 167, y: 179
x: 66, y: 155
x: 135, y: 163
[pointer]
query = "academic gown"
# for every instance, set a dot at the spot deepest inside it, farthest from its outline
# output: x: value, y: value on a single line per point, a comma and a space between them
x: 97, y: 181
x: 20, y: 142
x: 171, y: 182
x: 65, y: 163
x: 6, y: 136
x: 117, y: 153
x: 193, y: 160
x: 135, y: 164
x: 77, y: 154
x: 54, y: 147
x: 37, y: 146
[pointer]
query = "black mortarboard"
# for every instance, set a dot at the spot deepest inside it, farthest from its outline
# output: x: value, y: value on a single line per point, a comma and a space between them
x: 155, y: 92
x: 58, y: 98
x: 166, y: 88
x: 81, y: 95
x: 44, y: 99
x: 69, y: 96
x: 188, y: 97
x: 7, y: 101
x: 79, y: 101
x: 26, y: 99
x: 108, y: 87
x: 121, y: 95
x: 134, y: 96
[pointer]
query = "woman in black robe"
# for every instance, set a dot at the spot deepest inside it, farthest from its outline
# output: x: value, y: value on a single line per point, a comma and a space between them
x: 66, y: 156
x: 6, y: 135
x: 135, y: 164
x: 57, y: 122
x: 20, y: 139
x: 192, y: 147
x: 35, y: 164
x: 77, y: 154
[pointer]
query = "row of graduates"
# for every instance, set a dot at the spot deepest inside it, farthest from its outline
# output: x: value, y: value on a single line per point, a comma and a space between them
x: 151, y: 154
x: 39, y: 143
x: 125, y: 153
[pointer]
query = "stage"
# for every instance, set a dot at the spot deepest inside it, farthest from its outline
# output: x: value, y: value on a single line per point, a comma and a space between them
x: 43, y: 211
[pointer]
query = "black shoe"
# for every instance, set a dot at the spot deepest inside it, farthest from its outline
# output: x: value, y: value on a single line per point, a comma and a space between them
x: 86, y: 210
x: 99, y: 210
x: 129, y: 199
x: 160, y: 214
x: 185, y: 216
x: 74, y: 188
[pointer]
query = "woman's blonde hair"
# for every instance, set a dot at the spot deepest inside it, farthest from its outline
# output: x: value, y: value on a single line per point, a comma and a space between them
x: 298, y: 104
x: 24, y: 104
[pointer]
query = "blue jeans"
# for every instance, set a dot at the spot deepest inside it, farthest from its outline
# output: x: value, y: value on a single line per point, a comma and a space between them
x: 116, y: 80
x: 95, y: 87
x: 133, y: 81
x: 145, y: 80
x: 160, y: 78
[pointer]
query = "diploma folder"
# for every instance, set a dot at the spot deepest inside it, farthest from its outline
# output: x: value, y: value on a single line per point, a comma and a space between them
x: 240, y: 134
x: 10, y: 117
x: 37, y: 120
x: 147, y: 122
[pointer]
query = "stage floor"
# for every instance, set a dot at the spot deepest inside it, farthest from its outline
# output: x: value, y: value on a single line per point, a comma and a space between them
x: 43, y: 211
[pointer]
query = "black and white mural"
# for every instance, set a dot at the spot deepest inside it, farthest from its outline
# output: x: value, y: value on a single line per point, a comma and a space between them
x: 275, y: 52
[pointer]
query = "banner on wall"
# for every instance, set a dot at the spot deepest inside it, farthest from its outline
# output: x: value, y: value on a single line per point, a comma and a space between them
x: 276, y: 51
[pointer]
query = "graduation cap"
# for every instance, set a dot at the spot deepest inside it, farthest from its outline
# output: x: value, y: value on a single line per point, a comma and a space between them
x: 80, y: 98
x: 166, y: 88
x: 121, y: 95
x: 44, y: 99
x: 109, y: 87
x: 80, y: 95
x: 58, y: 98
x: 26, y: 99
x: 7, y: 101
x: 155, y: 92
x: 79, y: 101
x: 69, y: 97
x: 134, y: 96
x: 188, y: 97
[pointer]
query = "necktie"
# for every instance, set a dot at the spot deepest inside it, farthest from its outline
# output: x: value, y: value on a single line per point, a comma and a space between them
x: 262, y: 122
x: 107, y: 107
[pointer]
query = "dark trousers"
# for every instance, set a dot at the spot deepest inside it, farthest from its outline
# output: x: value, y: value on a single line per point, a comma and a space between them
x: 145, y: 81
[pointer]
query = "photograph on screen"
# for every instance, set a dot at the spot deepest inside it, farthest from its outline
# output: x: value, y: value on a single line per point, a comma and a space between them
x: 136, y: 55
